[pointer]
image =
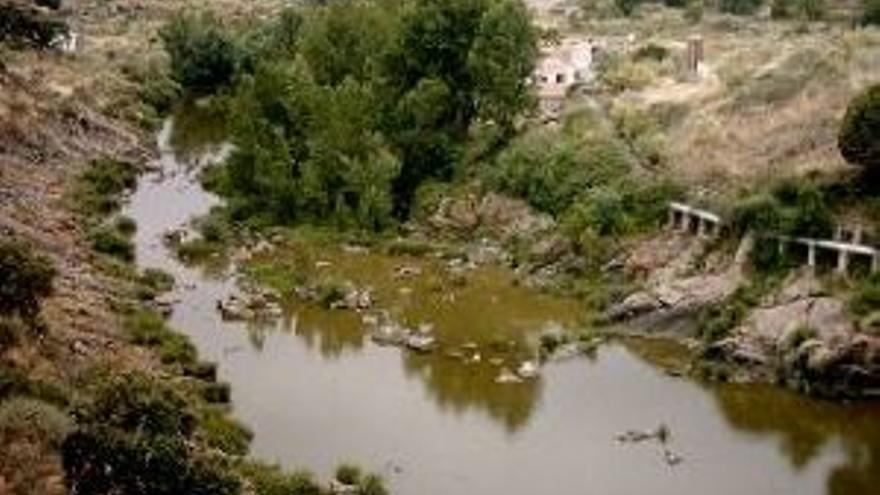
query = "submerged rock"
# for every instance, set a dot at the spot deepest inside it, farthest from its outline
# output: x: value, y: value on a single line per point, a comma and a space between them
x: 420, y: 343
x: 505, y: 376
x: 528, y: 369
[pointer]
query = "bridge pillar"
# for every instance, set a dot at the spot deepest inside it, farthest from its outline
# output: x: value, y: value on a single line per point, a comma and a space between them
x: 811, y: 255
x: 842, y: 262
x: 875, y: 262
x: 685, y: 222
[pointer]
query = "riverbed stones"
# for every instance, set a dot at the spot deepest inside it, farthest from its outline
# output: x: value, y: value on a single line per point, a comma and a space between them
x: 506, y: 376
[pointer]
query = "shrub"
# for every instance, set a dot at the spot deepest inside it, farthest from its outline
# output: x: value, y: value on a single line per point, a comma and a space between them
x: 30, y: 432
x: 23, y: 26
x: 270, y: 480
x: 716, y: 321
x: 373, y: 484
x: 781, y: 9
x: 11, y: 330
x: 550, y: 171
x: 693, y: 11
x: 32, y: 419
x: 627, y: 6
x: 870, y: 12
x: 137, y: 403
x: 739, y: 7
x: 49, y: 4
x: 204, y: 56
x: 157, y: 280
x: 224, y: 433
x: 857, y: 140
x: 125, y: 225
x: 866, y: 297
x: 149, y: 329
x: 202, y: 370
x: 793, y: 207
x: 97, y: 190
x: 25, y: 278
x: 216, y: 393
x: 348, y: 474
x: 651, y: 51
x: 109, y: 240
x: 14, y: 383
x: 131, y: 463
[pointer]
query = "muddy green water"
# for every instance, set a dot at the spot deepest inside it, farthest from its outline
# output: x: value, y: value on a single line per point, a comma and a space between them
x: 317, y: 392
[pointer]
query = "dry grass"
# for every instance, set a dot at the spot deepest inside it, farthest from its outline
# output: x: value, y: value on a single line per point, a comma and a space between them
x: 769, y: 101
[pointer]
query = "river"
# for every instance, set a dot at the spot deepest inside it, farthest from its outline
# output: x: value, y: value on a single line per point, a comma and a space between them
x: 316, y: 392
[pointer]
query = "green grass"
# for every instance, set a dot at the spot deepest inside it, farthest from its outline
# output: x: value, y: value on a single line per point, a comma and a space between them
x: 149, y: 329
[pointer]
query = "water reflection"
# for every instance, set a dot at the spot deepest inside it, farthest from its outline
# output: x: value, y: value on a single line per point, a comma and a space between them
x: 458, y: 387
x: 804, y: 427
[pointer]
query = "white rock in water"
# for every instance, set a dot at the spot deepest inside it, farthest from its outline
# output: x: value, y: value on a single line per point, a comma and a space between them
x: 528, y: 369
x: 506, y: 376
x: 421, y: 343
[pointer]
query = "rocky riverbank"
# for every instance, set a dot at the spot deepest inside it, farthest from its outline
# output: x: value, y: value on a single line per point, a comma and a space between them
x: 798, y: 332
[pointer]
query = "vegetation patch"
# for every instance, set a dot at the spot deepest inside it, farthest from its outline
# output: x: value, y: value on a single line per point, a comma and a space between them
x: 25, y: 279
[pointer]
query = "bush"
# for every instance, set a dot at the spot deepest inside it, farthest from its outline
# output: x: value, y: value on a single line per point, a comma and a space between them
x: 857, y: 140
x: 870, y: 12
x: 204, y: 55
x: 739, y: 7
x: 13, y: 383
x: 125, y: 226
x: 23, y: 26
x: 31, y: 432
x: 796, y: 207
x: 693, y: 11
x: 270, y: 480
x: 716, y: 321
x: 348, y: 474
x: 11, y: 331
x: 25, y: 278
x: 866, y: 297
x: 49, y: 4
x: 132, y: 463
x: 627, y: 6
x: 37, y: 421
x: 550, y: 171
x: 97, y: 190
x: 157, y: 280
x: 149, y: 329
x: 109, y: 240
x: 137, y: 403
x: 651, y: 51
x: 224, y: 433
x: 216, y: 393
x: 373, y: 484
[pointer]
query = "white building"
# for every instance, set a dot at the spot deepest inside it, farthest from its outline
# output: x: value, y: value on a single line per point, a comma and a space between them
x: 559, y: 68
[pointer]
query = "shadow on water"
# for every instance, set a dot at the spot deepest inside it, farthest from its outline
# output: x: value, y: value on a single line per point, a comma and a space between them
x: 317, y: 392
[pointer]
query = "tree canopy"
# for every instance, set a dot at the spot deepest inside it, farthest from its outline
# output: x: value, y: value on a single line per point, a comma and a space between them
x: 339, y: 112
x: 859, y: 139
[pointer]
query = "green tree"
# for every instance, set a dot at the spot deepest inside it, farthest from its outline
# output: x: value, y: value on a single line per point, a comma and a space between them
x: 344, y: 39
x: 858, y: 139
x: 25, y: 278
x: 204, y: 55
x: 502, y: 58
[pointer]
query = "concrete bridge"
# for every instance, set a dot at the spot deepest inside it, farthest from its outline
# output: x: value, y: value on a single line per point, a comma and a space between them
x: 689, y: 219
x: 847, y: 246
